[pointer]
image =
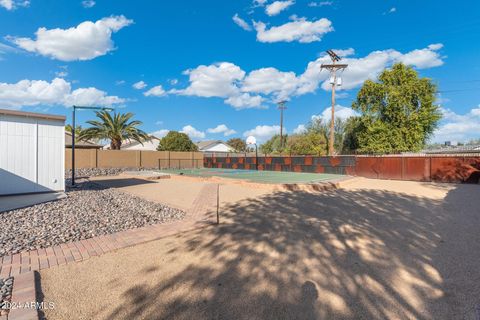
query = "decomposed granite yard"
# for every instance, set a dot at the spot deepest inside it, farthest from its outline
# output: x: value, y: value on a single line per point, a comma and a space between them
x: 371, y: 250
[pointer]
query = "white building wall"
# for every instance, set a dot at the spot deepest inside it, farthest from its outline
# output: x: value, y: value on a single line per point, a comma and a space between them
x: 31, y: 155
x: 218, y: 148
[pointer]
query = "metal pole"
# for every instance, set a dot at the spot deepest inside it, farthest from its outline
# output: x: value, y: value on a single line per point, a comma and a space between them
x: 256, y: 157
x: 218, y: 203
x: 73, y: 146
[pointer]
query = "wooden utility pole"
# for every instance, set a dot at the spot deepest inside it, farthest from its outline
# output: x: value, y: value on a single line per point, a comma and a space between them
x: 333, y: 80
x: 281, y: 107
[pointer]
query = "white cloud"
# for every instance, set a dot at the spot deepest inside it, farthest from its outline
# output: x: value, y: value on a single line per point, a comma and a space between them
x: 11, y: 4
x: 219, y: 80
x: 156, y: 91
x: 245, y: 101
x: 300, y: 129
x: 86, y: 41
x: 424, y: 58
x: 241, y: 23
x: 160, y: 133
x: 216, y: 80
x: 88, y: 3
x: 221, y: 128
x: 227, y: 80
x: 263, y: 132
x: 139, y: 85
x: 192, y: 132
x: 271, y: 80
x: 56, y: 92
x: 173, y: 81
x: 458, y: 127
x: 4, y: 49
x: 344, y: 52
x: 120, y: 82
x: 300, y: 29
x: 90, y: 97
x: 368, y: 67
x: 63, y: 72
x: 340, y: 112
x: 276, y: 7
x: 7, y: 4
x: 320, y: 4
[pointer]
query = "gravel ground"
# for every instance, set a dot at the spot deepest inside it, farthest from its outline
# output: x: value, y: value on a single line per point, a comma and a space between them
x: 88, y: 211
x: 95, y: 172
x: 6, y: 286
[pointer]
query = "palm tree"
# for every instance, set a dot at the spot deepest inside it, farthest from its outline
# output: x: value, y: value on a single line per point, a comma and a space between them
x: 78, y: 131
x: 115, y: 128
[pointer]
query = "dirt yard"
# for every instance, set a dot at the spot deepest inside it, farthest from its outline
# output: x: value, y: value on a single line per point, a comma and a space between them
x: 371, y: 250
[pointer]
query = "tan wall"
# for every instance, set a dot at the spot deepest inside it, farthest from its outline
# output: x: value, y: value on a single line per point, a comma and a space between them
x: 93, y: 158
x: 84, y: 158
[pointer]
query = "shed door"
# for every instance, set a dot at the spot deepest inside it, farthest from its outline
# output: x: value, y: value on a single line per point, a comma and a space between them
x: 31, y: 155
x: 51, y: 155
x: 18, y: 155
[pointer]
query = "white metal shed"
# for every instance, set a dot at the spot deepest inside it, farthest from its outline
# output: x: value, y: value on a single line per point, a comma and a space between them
x: 32, y: 152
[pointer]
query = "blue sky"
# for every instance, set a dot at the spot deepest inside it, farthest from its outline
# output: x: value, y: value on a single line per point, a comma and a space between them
x: 215, y: 69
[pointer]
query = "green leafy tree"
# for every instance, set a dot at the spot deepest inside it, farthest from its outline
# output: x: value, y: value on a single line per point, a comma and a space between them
x: 398, y: 112
x: 116, y: 128
x: 350, y: 137
x: 237, y: 144
x: 176, y: 141
x: 321, y: 127
x: 308, y: 143
x: 273, y: 145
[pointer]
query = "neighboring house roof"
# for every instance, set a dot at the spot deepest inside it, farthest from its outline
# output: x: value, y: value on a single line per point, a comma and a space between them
x: 132, y: 144
x: 207, y: 145
x: 79, y: 144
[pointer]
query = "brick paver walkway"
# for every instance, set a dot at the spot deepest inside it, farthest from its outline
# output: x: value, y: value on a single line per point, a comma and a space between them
x: 201, y: 214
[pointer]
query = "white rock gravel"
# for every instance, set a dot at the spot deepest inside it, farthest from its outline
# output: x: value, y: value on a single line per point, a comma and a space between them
x: 6, y: 287
x: 88, y: 211
x: 94, y: 172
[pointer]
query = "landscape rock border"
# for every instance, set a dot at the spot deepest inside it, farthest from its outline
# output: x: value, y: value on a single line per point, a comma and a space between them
x: 89, y: 210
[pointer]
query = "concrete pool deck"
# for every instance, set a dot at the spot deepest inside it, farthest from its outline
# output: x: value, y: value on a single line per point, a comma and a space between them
x: 373, y: 249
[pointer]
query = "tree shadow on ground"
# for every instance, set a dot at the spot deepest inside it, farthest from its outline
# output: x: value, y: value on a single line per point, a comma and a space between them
x: 364, y: 254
